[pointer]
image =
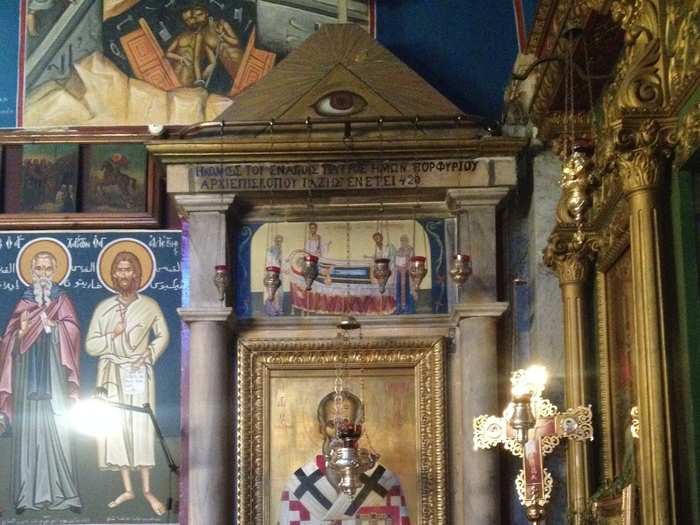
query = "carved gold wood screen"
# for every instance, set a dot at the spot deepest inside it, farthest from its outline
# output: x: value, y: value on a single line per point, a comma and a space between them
x: 280, y: 384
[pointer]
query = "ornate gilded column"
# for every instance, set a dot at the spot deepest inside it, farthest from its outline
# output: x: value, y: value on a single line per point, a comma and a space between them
x: 571, y: 260
x: 641, y: 162
x: 209, y: 470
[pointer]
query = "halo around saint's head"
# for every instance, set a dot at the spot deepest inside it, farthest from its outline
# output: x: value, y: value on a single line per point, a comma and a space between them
x: 142, y: 252
x: 44, y: 244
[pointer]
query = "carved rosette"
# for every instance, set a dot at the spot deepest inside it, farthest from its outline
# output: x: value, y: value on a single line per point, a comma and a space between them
x: 570, y: 258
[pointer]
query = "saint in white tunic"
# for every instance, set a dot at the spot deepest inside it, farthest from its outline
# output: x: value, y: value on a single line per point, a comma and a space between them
x: 145, y: 332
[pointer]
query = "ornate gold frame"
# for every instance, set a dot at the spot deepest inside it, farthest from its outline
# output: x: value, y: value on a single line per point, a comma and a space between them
x: 257, y: 358
x: 617, y: 510
x: 612, y: 243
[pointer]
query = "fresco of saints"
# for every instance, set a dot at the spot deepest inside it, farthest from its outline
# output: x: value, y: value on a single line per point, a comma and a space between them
x: 311, y: 495
x: 383, y: 251
x: 39, y: 381
x: 404, y: 298
x: 128, y: 333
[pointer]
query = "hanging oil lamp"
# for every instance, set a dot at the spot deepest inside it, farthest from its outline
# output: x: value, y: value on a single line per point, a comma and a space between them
x: 461, y: 268
x: 221, y: 279
x: 272, y: 281
x: 309, y: 269
x: 348, y: 322
x: 461, y: 265
x: 344, y: 456
x: 417, y: 272
x: 347, y: 459
x: 416, y: 265
x: 381, y: 272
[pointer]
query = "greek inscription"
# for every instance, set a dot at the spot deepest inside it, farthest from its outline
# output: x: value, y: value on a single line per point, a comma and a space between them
x: 378, y: 174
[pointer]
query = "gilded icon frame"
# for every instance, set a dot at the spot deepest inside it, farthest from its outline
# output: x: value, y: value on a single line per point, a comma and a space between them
x: 615, y: 246
x: 259, y: 362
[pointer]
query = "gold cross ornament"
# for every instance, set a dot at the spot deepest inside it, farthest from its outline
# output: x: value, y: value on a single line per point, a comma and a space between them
x: 531, y: 427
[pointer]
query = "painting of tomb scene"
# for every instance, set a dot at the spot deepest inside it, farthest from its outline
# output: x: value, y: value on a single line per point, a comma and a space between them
x: 116, y: 178
x: 137, y: 62
x: 49, y: 174
x: 90, y: 333
x: 349, y: 256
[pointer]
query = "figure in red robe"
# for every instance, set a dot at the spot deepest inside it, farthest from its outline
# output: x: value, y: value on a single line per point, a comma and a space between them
x: 39, y: 380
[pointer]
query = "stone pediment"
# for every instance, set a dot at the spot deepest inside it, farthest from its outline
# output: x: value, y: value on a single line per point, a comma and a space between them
x: 339, y: 57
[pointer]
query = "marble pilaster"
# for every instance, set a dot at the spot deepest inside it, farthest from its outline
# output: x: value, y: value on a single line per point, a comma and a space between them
x: 210, y: 472
x: 476, y: 334
x: 473, y: 367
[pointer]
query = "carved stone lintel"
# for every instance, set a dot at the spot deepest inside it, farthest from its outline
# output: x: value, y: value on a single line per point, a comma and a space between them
x: 570, y: 257
x: 642, y: 154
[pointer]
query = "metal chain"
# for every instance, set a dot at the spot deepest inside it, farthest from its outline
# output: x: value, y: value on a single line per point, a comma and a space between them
x: 589, y: 85
x: 338, y: 398
x: 347, y: 308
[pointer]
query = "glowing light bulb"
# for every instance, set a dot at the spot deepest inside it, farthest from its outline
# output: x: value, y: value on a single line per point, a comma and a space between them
x: 536, y: 376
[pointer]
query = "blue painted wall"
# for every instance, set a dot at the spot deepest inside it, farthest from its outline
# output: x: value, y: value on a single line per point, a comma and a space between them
x: 9, y: 48
x: 465, y: 49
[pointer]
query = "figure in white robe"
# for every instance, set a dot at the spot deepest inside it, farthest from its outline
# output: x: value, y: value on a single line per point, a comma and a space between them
x: 314, y: 244
x: 311, y: 495
x: 273, y: 306
x: 128, y: 333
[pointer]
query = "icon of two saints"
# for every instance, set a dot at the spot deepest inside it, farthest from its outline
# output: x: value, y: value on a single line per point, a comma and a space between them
x: 40, y: 373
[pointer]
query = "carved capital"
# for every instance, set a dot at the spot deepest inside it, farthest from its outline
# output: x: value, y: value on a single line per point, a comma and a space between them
x: 570, y: 258
x: 641, y: 156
